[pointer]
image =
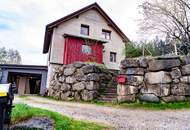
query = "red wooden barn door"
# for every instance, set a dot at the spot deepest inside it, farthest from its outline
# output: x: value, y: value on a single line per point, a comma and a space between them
x: 73, y: 51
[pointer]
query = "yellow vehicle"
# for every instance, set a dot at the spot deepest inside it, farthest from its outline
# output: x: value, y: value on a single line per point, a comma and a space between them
x: 4, y: 89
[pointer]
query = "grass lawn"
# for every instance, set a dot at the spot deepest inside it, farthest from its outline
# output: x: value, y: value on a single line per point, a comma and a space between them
x: 22, y: 112
x: 147, y: 106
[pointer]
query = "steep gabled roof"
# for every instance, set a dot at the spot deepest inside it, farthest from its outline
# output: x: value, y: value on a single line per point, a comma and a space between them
x: 49, y: 27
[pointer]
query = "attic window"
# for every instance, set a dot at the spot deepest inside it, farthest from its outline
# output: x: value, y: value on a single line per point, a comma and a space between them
x: 106, y: 34
x: 84, y: 30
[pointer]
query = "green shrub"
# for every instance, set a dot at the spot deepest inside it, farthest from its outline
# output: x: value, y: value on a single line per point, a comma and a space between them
x: 132, y: 50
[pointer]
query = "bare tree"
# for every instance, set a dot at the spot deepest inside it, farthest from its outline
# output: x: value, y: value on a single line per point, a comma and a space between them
x: 167, y: 17
x: 3, y: 55
x: 9, y: 56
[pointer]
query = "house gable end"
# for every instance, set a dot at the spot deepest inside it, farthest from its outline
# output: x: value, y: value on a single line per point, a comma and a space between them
x: 95, y: 6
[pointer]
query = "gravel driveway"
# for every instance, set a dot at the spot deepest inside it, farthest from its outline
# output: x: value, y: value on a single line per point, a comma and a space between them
x: 121, y: 119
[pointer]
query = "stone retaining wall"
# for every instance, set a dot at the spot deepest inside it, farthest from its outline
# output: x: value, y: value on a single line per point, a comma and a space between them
x: 158, y: 79
x: 78, y: 81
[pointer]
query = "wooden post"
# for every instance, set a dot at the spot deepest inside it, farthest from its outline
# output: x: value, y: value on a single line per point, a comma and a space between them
x: 175, y: 47
x: 143, y: 49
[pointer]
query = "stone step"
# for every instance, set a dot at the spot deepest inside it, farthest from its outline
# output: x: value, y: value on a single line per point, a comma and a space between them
x: 109, y: 93
x: 113, y: 85
x: 106, y: 99
x: 108, y: 96
x: 108, y: 89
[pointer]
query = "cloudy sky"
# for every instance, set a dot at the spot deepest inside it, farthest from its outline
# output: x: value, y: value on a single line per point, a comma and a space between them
x: 22, y: 22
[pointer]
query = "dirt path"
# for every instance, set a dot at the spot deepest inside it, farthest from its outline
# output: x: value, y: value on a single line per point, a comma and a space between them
x: 121, y: 119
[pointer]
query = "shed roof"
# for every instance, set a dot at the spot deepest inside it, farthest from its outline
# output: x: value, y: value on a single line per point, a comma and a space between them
x: 28, y: 67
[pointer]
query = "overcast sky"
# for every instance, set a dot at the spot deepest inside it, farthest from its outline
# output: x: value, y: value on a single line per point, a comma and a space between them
x: 22, y: 22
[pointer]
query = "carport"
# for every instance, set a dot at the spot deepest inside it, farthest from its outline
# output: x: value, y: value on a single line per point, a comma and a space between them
x: 29, y: 79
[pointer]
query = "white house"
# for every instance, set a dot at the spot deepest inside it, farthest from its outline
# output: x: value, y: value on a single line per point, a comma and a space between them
x: 88, y: 34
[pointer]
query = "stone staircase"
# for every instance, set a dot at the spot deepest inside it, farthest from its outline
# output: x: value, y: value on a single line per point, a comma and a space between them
x: 109, y: 93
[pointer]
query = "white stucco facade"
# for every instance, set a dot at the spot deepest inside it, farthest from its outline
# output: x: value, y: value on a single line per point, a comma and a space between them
x: 96, y: 23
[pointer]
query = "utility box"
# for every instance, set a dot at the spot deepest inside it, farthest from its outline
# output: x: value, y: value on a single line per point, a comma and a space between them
x: 121, y: 79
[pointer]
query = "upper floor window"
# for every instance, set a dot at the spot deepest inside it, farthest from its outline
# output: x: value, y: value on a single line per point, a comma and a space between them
x: 84, y: 29
x: 106, y: 34
x: 113, y: 56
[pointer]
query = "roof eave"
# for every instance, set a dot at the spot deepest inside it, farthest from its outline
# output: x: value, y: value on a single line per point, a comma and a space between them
x: 47, y: 40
